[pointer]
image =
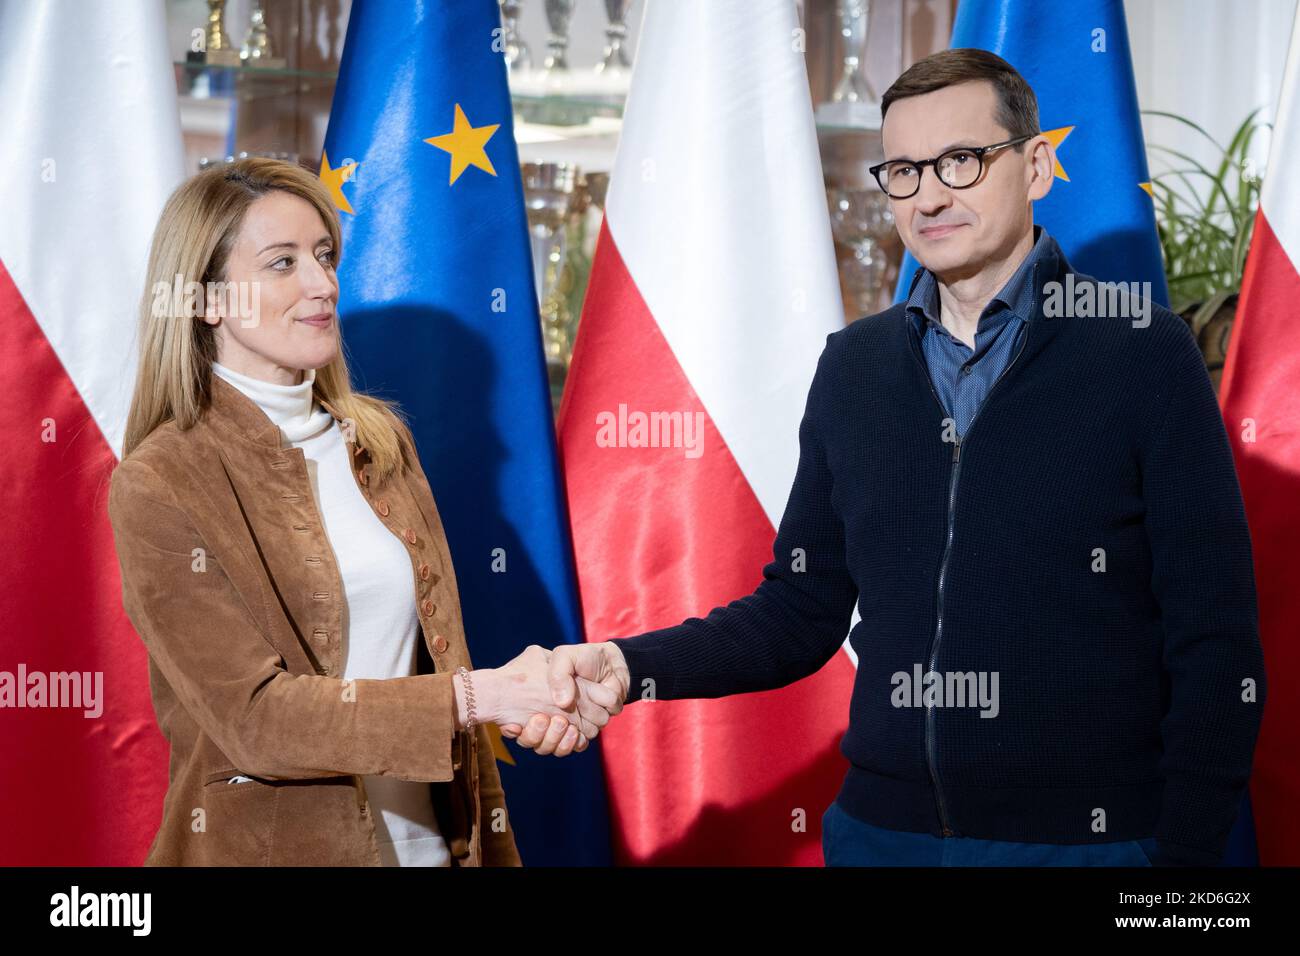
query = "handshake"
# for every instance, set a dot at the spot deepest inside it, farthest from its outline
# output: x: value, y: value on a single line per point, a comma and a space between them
x: 553, y: 702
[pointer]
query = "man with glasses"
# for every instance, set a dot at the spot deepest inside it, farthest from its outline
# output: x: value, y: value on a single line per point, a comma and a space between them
x: 1039, y: 520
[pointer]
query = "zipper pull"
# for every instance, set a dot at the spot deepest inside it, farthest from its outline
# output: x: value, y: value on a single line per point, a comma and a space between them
x: 956, y: 450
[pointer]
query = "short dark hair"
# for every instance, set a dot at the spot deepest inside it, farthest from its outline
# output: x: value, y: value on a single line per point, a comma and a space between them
x: 1017, y: 108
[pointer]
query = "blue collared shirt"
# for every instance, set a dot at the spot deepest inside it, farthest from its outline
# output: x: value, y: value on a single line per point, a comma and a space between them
x: 961, y: 375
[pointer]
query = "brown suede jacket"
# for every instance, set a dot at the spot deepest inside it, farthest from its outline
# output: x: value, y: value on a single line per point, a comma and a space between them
x: 231, y: 583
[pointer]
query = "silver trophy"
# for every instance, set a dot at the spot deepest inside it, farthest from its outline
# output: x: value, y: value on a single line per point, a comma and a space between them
x: 862, y: 221
x: 615, y: 35
x: 518, y: 56
x: 257, y: 50
x: 208, y: 162
x: 550, y: 192
x: 558, y: 15
x: 853, y: 103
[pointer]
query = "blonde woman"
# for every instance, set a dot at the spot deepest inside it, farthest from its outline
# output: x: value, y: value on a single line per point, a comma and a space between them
x: 285, y: 565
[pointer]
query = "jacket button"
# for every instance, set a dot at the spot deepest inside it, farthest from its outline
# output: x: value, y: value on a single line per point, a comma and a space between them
x: 424, y: 572
x: 363, y: 477
x: 410, y: 535
x: 383, y: 507
x: 440, y: 644
x: 427, y: 607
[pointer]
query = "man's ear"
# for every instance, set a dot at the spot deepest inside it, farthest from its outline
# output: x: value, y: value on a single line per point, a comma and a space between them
x: 1040, y: 170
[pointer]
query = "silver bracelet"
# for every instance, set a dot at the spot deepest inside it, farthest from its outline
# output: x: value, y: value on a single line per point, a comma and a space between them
x: 471, y: 718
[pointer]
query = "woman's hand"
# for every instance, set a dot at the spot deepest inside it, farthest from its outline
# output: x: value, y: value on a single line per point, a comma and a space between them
x: 595, y: 671
x: 520, y: 691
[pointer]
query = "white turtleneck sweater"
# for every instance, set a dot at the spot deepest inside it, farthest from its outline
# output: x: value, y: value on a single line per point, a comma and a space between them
x: 381, y: 626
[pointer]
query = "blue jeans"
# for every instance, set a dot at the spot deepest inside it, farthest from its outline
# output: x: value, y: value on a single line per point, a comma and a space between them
x: 848, y: 841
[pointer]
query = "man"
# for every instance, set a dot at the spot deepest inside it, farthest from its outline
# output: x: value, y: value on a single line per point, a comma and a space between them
x: 1032, y: 501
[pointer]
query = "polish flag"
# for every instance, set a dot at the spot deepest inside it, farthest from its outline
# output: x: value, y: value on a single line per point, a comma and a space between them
x: 1260, y: 396
x: 713, y: 289
x: 91, y: 148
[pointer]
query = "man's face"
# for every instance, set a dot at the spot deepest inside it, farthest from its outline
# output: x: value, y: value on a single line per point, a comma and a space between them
x: 956, y: 232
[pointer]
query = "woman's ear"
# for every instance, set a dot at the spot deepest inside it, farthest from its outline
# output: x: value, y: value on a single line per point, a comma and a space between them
x: 212, y: 306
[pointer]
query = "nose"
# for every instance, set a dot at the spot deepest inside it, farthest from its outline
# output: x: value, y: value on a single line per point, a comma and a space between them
x: 318, y: 282
x: 932, y: 196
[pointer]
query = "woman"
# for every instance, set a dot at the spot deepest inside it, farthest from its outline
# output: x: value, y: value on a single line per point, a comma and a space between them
x: 285, y: 565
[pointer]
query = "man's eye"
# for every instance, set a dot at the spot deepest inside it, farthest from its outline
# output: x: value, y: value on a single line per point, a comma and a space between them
x: 901, y: 172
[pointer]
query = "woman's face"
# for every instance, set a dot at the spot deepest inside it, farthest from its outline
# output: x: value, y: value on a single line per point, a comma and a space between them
x: 276, y: 316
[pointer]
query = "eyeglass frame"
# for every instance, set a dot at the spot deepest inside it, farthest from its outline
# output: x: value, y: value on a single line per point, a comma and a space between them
x: 979, y: 151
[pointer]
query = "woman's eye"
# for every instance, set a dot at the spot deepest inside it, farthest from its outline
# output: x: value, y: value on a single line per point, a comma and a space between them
x: 285, y: 259
x: 327, y: 257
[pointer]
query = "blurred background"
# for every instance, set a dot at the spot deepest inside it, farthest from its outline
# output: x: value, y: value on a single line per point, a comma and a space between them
x: 1207, y: 75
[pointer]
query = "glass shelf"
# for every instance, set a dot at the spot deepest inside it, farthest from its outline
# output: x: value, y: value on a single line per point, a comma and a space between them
x: 545, y: 107
x: 824, y: 127
x: 247, y: 83
x: 564, y: 110
x: 257, y: 71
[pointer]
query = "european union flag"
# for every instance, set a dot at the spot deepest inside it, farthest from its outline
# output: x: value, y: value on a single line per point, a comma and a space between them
x: 1076, y: 58
x: 439, y: 312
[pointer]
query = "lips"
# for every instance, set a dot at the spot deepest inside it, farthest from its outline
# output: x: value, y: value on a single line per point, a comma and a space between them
x: 319, y: 321
x: 938, y: 232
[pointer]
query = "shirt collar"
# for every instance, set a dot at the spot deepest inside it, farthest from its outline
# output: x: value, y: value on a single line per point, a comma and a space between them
x: 242, y: 417
x: 291, y: 407
x: 1016, y: 295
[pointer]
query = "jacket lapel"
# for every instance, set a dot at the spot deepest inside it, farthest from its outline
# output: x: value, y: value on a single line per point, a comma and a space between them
x: 266, y: 484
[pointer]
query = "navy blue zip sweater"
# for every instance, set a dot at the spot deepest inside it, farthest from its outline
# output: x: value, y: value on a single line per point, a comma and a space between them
x: 1085, y: 540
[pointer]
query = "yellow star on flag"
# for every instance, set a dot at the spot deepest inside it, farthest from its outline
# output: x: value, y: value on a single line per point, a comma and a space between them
x: 1056, y: 137
x: 499, y: 744
x: 334, y: 180
x: 465, y: 143
x: 1149, y: 191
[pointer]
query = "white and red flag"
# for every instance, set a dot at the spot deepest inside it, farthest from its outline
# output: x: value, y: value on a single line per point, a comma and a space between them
x: 1260, y: 396
x: 90, y: 151
x: 713, y: 289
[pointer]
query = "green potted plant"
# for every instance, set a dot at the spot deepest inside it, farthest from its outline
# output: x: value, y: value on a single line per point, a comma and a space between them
x: 1205, y: 217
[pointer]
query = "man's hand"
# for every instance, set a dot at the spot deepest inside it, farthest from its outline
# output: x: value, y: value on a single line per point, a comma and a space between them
x: 522, y: 690
x: 592, y: 673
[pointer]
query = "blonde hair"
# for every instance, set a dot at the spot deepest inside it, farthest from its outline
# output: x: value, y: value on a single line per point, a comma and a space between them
x: 193, y: 240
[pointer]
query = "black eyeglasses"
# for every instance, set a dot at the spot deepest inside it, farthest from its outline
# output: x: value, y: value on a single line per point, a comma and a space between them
x: 958, y: 168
